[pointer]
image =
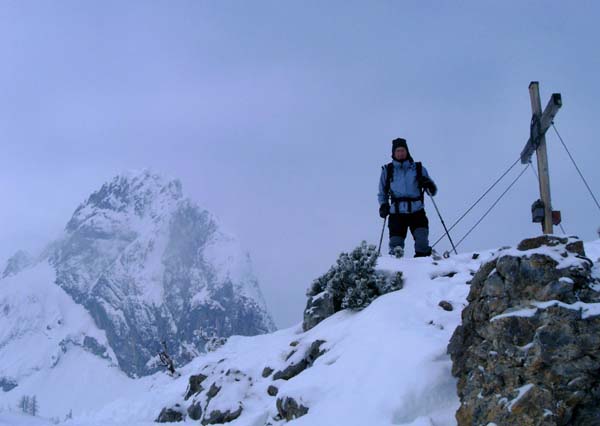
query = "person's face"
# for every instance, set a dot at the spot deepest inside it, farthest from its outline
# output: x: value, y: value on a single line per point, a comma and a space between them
x: 400, y: 153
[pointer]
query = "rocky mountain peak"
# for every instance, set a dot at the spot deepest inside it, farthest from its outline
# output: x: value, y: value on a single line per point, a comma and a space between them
x: 130, y: 195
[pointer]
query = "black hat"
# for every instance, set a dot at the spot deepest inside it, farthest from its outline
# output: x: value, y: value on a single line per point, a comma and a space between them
x: 401, y: 143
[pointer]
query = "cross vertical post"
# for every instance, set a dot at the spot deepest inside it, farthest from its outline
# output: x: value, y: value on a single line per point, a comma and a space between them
x: 542, y: 158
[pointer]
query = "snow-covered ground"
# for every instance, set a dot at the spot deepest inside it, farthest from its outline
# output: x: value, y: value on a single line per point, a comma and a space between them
x: 42, y: 334
x: 385, y: 365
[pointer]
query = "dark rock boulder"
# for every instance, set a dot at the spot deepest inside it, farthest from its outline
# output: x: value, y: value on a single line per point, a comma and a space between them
x: 7, y: 384
x: 169, y: 415
x: 220, y: 417
x: 195, y: 385
x: 446, y: 306
x: 527, y: 350
x: 292, y: 370
x: 267, y: 371
x: 289, y: 409
x: 195, y: 410
x: 213, y: 391
x: 318, y: 307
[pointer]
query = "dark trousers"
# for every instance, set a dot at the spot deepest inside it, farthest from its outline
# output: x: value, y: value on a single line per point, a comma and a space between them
x: 417, y: 222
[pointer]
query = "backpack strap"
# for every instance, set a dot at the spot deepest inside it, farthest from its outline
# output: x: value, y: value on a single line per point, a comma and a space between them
x: 419, y: 176
x: 389, y: 177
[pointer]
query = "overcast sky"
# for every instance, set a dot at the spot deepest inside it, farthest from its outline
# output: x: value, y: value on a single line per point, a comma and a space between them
x: 277, y: 115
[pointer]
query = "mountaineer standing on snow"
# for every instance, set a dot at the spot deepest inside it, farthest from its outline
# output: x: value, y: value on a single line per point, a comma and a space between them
x: 403, y: 181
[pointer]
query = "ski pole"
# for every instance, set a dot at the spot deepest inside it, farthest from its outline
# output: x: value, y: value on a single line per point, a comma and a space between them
x: 381, y: 238
x: 443, y: 224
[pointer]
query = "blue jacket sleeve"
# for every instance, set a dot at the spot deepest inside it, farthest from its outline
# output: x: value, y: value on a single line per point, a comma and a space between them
x: 382, y: 197
x: 426, y: 174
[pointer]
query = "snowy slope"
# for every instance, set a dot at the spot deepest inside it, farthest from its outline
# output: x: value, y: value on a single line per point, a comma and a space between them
x: 384, y: 365
x: 50, y: 346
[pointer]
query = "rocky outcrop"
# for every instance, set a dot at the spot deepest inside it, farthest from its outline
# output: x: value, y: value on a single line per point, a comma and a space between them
x: 527, y: 350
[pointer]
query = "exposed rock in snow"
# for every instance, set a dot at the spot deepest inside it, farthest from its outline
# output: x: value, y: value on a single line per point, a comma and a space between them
x: 527, y: 350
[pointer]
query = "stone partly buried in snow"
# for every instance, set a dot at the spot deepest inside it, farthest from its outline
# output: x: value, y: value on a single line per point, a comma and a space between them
x: 295, y: 368
x: 169, y: 415
x: 195, y: 385
x: 353, y: 282
x: 446, y: 306
x: 527, y: 350
x: 219, y: 417
x: 195, y: 411
x: 289, y: 409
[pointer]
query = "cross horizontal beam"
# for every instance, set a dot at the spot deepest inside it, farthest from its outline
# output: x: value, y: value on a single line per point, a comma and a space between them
x: 548, y: 115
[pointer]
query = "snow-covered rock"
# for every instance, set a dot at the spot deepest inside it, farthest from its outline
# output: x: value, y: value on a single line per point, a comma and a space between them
x: 526, y: 351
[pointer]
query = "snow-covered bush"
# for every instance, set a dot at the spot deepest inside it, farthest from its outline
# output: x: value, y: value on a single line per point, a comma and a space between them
x: 353, y: 281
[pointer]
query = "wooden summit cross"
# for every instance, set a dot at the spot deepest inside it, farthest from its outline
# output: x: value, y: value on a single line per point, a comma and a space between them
x: 540, y: 123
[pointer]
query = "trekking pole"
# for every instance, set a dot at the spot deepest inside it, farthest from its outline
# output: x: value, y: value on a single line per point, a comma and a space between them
x: 381, y: 238
x: 443, y: 224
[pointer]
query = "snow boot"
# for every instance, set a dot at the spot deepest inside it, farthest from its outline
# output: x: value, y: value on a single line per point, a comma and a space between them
x: 397, y: 252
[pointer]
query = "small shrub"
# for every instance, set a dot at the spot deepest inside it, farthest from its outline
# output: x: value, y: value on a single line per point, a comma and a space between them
x: 353, y: 281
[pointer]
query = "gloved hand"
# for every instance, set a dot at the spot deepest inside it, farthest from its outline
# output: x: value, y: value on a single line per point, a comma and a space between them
x: 384, y: 210
x: 428, y: 185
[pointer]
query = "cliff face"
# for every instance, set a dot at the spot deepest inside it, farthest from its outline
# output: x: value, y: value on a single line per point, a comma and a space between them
x: 527, y: 350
